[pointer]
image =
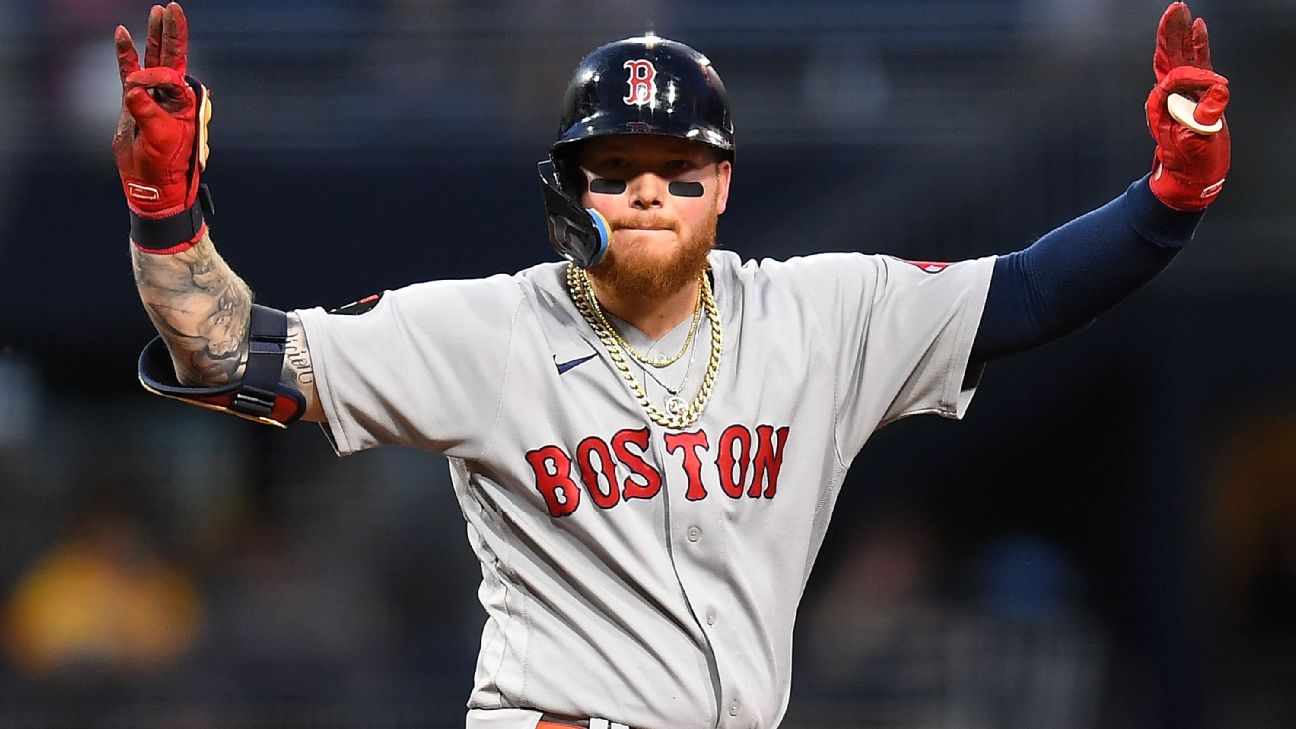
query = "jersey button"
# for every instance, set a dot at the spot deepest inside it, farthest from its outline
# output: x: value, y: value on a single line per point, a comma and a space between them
x: 710, y: 617
x: 733, y: 709
x: 694, y: 534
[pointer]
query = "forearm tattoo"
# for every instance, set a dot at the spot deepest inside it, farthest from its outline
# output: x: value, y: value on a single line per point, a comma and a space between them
x: 200, y: 307
x: 297, y: 362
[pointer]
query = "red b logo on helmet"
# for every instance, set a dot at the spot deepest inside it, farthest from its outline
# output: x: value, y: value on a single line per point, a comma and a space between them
x: 643, y: 89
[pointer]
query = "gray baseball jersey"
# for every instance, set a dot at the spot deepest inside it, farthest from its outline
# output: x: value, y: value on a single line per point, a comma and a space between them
x: 632, y: 572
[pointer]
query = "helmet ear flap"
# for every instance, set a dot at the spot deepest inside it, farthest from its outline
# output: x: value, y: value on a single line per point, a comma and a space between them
x: 567, y: 169
x: 578, y: 234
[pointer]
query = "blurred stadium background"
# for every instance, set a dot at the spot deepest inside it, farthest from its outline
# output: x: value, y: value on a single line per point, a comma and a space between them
x: 1108, y: 540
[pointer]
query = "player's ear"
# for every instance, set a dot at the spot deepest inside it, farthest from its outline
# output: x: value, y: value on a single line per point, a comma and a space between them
x: 724, y: 171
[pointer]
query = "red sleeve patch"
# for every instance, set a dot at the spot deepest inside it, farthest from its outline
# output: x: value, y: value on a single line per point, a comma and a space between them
x: 928, y: 266
x: 358, y: 307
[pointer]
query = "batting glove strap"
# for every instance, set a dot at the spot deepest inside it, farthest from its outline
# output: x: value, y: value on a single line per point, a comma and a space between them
x: 172, y: 234
x: 260, y: 396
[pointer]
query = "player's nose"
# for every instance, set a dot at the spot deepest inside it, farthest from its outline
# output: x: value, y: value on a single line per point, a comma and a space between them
x: 647, y: 191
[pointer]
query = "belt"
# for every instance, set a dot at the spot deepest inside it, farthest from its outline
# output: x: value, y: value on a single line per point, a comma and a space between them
x: 549, y: 721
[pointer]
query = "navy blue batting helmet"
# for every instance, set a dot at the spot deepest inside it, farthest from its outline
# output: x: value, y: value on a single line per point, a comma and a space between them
x: 646, y: 85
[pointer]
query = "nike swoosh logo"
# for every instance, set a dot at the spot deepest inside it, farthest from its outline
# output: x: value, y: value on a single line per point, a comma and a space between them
x: 564, y: 366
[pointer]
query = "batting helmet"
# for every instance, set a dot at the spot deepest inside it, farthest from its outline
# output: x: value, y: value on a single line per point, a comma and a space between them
x: 643, y: 85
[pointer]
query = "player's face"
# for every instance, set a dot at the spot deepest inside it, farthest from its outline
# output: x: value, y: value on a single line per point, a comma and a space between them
x: 661, y: 232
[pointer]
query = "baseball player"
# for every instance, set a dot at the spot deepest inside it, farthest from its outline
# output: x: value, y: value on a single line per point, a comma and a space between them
x: 646, y: 437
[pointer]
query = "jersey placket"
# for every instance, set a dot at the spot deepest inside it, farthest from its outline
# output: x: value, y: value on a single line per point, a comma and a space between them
x: 697, y: 543
x: 686, y: 535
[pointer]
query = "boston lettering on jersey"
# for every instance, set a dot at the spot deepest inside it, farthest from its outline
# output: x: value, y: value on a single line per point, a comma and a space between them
x: 746, y: 463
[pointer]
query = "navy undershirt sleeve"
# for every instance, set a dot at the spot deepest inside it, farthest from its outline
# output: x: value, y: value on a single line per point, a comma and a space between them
x: 1067, y: 278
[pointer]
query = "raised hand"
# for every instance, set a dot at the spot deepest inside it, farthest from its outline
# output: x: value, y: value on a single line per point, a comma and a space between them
x: 161, y: 139
x: 1192, y: 155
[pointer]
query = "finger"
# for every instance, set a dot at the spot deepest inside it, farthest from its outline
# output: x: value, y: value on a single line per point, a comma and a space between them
x: 1185, y: 39
x: 127, y: 56
x: 1201, y: 44
x: 151, y: 118
x: 175, y: 38
x: 1212, y: 105
x: 153, y: 46
x: 1184, y: 91
x: 166, y: 87
x: 1192, y: 81
x: 1172, y: 40
x: 1184, y: 110
x: 159, y: 77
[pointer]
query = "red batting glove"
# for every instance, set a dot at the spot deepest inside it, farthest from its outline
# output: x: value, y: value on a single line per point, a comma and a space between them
x: 1190, y: 166
x: 161, y: 139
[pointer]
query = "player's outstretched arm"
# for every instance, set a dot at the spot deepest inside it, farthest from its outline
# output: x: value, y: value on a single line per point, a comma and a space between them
x: 202, y: 310
x: 1073, y: 274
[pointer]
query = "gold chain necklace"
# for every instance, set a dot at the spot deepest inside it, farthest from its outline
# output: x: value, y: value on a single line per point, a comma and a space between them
x: 679, y: 417
x: 688, y: 375
x: 658, y: 362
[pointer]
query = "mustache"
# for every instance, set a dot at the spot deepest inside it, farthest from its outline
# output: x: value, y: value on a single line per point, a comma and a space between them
x: 645, y: 221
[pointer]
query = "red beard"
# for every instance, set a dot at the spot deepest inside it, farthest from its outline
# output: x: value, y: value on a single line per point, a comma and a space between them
x: 644, y: 271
